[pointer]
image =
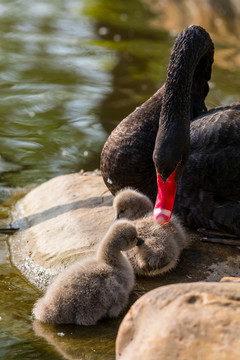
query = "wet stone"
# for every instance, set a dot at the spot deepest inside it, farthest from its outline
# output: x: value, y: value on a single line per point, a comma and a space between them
x: 60, y: 221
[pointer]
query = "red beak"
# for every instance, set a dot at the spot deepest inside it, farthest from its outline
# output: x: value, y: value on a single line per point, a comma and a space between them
x: 165, y: 199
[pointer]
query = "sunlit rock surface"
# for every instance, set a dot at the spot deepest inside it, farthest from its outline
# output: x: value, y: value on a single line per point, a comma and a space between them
x: 183, y: 321
x: 60, y: 221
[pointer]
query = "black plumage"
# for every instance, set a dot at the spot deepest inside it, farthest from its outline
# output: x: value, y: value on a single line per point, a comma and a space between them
x: 174, y: 126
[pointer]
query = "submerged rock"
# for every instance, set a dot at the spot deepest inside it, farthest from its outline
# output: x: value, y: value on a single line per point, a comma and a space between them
x: 183, y: 321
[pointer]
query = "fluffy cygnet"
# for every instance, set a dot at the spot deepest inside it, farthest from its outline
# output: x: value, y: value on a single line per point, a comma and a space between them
x: 89, y: 291
x: 131, y: 204
x: 163, y: 244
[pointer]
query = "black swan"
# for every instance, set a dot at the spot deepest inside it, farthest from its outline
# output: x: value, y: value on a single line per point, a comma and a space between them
x: 88, y: 291
x: 174, y: 134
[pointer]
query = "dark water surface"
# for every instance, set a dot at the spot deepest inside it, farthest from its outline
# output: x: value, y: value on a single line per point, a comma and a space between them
x: 69, y: 72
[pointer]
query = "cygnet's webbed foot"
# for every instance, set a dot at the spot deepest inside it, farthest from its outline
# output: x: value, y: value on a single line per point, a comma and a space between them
x: 218, y: 237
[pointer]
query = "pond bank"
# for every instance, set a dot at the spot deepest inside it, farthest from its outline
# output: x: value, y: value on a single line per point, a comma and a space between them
x: 63, y: 220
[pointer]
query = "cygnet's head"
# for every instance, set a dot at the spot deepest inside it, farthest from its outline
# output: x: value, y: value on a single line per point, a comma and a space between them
x: 131, y: 204
x: 124, y: 235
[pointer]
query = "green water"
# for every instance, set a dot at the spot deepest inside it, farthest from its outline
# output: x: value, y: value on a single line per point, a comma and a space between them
x: 69, y: 72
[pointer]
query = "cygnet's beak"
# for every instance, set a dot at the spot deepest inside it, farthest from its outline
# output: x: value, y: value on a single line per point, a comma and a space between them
x: 117, y: 218
x: 140, y: 241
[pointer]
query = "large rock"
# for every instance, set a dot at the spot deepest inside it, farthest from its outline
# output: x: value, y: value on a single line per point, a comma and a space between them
x: 183, y: 321
x: 60, y: 221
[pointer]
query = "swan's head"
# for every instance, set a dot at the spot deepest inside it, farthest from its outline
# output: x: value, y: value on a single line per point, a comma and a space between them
x: 170, y: 156
x: 123, y: 235
x: 131, y: 204
x: 171, y: 150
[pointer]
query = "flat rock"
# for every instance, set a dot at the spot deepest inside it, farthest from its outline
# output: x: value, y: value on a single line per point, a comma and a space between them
x: 59, y: 222
x: 183, y: 321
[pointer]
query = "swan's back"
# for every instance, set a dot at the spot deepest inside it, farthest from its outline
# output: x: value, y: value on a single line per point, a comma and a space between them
x: 88, y: 291
x: 217, y: 128
x: 209, y: 190
x: 161, y: 235
x: 162, y: 246
x: 71, y: 288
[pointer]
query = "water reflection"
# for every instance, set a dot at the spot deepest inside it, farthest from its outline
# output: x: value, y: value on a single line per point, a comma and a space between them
x: 142, y: 57
x: 80, y: 342
x: 219, y: 17
x: 52, y: 79
x: 66, y: 81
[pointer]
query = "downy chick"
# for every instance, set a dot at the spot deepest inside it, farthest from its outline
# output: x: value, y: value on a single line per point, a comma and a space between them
x: 163, y: 244
x: 89, y: 291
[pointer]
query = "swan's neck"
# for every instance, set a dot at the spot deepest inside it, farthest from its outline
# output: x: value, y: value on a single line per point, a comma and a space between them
x: 110, y: 254
x: 187, y: 82
x: 189, y: 70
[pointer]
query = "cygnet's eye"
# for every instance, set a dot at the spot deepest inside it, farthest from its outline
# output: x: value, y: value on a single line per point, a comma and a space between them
x: 121, y: 212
